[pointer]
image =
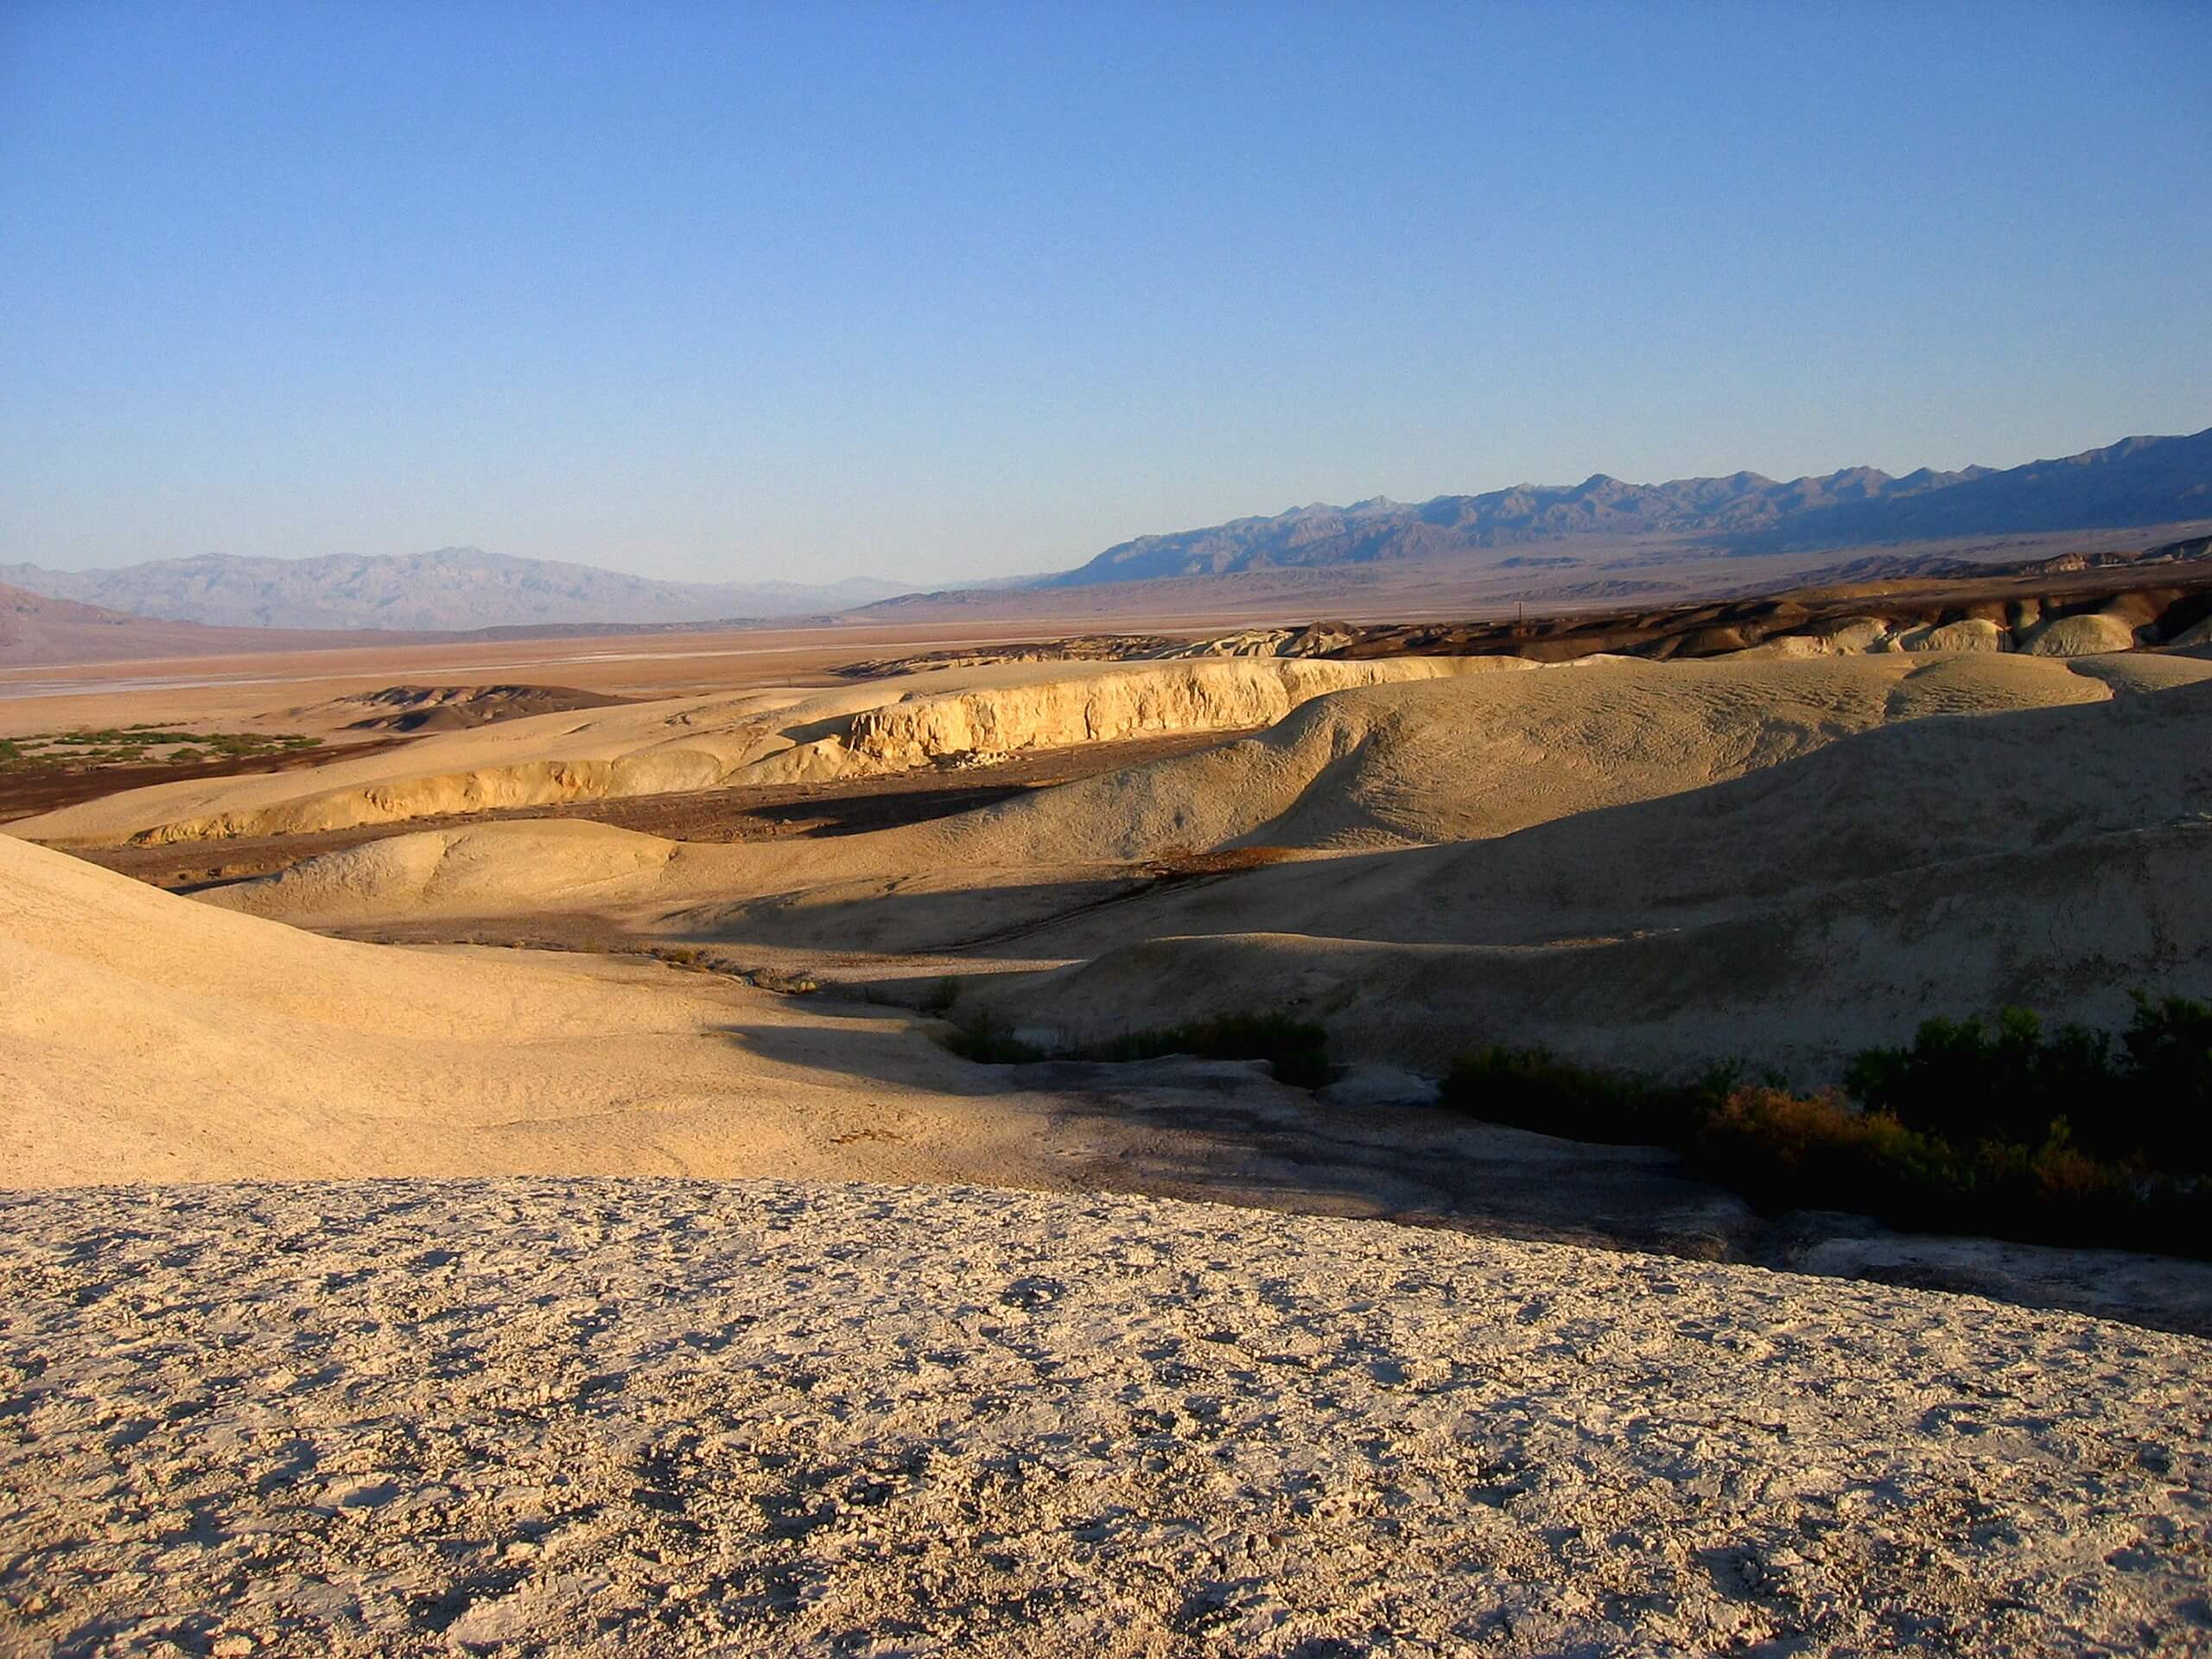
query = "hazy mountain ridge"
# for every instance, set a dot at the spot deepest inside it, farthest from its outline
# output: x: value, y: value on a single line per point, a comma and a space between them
x: 449, y: 589
x: 37, y: 628
x: 20, y: 609
x: 2141, y: 480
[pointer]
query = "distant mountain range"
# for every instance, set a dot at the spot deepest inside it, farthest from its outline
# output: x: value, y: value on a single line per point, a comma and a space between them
x: 2137, y: 481
x: 37, y: 629
x: 1600, y: 538
x: 453, y: 589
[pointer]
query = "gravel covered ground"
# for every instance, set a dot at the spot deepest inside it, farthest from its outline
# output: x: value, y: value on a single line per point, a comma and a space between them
x: 642, y: 1417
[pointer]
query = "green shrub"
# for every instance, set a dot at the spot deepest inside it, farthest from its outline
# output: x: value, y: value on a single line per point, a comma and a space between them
x: 1959, y: 1079
x: 1994, y: 1128
x: 1788, y: 1152
x: 129, y: 746
x: 2168, y: 1045
x: 2151, y: 1100
x: 987, y: 1040
x: 1535, y: 1089
x: 1297, y: 1051
x: 1791, y: 1151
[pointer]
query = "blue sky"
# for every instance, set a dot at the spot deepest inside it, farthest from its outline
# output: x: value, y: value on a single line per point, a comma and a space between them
x: 807, y: 291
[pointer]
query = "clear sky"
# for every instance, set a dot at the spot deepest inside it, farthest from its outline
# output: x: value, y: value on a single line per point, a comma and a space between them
x: 810, y: 291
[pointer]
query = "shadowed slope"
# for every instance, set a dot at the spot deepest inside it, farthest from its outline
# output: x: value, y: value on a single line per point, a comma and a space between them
x: 1460, y: 761
x: 2054, y: 857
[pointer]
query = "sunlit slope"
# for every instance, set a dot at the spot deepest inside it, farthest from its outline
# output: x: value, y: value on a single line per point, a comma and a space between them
x: 694, y: 743
x: 1473, y: 756
x: 1458, y: 760
x: 1912, y: 794
x: 1451, y: 764
x: 144, y: 1037
x: 1657, y: 863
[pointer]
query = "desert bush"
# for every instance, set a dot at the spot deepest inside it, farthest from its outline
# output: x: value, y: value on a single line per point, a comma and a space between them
x: 2150, y: 1099
x: 1791, y: 1152
x: 1785, y: 1151
x: 1959, y: 1078
x: 782, y: 983
x: 988, y: 1040
x: 2169, y: 1047
x: 1297, y: 1050
x: 1972, y: 1128
x: 129, y: 746
x: 1535, y: 1089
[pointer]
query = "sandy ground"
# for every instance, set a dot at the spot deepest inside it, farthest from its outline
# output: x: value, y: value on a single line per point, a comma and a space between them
x: 643, y: 1418
x: 772, y: 736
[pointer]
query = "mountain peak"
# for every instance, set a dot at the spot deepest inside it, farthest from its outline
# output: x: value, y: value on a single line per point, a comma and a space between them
x: 2136, y: 481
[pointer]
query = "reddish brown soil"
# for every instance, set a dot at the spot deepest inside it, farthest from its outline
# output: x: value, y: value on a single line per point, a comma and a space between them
x: 2169, y: 593
x: 2171, y: 597
x: 457, y: 708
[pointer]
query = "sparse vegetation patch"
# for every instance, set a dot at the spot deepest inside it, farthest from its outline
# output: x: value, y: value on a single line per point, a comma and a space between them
x: 1297, y: 1050
x: 140, y: 746
x: 2070, y: 1137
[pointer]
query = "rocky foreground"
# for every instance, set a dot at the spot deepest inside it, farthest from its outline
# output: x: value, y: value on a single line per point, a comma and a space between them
x: 535, y: 1416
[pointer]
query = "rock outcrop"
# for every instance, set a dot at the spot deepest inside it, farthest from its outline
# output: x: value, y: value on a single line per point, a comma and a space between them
x: 695, y: 744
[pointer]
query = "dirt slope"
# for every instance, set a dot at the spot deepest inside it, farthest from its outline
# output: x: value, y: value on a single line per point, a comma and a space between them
x: 1659, y: 864
x: 2055, y: 858
x: 1461, y: 761
x: 144, y: 1037
x: 1382, y: 766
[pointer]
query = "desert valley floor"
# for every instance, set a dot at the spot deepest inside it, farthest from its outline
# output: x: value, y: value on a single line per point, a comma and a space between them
x: 504, y: 1181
